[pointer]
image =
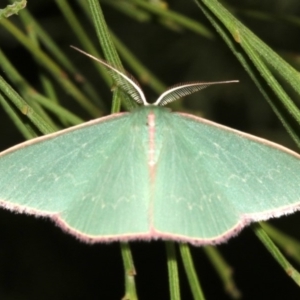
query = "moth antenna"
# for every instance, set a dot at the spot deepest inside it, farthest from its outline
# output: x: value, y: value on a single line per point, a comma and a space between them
x: 124, y: 81
x: 184, y: 89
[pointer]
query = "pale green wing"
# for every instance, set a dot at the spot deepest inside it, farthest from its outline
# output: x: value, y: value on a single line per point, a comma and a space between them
x: 151, y: 174
x: 87, y: 178
x: 212, y: 180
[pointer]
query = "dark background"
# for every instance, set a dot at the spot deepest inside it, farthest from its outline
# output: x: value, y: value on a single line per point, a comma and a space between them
x: 39, y: 261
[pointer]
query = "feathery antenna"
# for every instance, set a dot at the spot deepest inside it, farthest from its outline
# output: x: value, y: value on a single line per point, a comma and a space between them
x: 130, y: 85
x: 184, y: 89
x: 126, y: 82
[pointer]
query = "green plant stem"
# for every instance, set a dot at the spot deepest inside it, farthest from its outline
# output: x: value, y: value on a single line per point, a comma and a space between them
x: 172, y: 271
x: 82, y: 35
x: 191, y: 272
x: 70, y: 118
x: 130, y: 10
x: 32, y: 34
x: 34, y: 98
x: 255, y: 76
x: 24, y: 108
x: 175, y: 17
x: 58, y: 74
x: 251, y: 43
x: 291, y: 246
x: 32, y: 25
x: 109, y: 50
x: 130, y: 290
x: 287, y: 267
x: 16, y: 119
x: 224, y: 271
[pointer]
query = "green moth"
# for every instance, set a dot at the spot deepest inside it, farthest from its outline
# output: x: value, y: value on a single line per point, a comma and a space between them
x: 151, y: 174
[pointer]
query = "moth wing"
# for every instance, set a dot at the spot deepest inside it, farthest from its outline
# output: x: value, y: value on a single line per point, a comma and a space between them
x: 211, y: 181
x: 87, y: 178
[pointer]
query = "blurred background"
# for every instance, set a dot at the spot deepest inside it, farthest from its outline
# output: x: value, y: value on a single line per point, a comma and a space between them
x: 38, y: 260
